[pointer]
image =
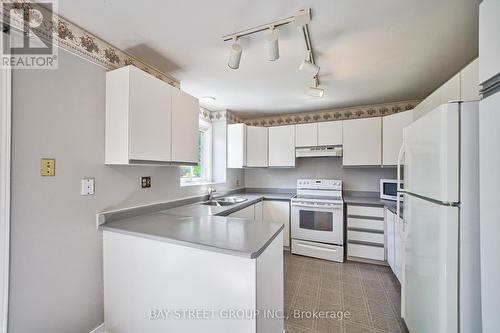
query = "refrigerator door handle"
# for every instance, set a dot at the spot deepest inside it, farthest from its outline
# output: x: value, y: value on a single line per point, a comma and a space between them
x: 398, y: 201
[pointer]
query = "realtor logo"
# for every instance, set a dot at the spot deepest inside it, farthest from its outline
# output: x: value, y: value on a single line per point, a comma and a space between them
x: 27, y: 41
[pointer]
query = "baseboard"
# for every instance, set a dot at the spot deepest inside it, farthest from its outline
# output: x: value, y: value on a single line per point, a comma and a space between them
x: 98, y: 329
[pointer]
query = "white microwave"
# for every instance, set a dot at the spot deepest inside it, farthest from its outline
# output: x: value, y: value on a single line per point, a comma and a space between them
x: 389, y: 189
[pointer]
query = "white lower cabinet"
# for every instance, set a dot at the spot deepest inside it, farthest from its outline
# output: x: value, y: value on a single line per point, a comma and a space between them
x: 395, y: 250
x: 245, y: 213
x: 278, y: 211
x: 366, y: 233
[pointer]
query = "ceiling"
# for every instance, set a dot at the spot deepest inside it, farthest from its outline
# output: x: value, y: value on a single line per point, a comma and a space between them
x: 368, y: 51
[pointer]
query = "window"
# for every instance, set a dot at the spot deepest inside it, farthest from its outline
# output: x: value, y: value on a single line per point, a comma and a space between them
x: 201, y: 173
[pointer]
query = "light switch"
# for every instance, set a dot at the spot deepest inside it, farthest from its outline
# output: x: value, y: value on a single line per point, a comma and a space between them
x: 87, y: 186
x: 47, y: 167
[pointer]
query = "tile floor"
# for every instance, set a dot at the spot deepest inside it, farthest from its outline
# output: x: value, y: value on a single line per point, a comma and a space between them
x: 366, y: 296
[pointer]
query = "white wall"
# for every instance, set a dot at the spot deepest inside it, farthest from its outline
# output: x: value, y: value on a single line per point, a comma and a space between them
x: 56, y: 251
x: 358, y: 179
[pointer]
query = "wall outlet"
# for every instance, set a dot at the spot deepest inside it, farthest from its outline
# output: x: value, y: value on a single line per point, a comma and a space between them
x: 47, y: 167
x: 87, y: 187
x: 146, y: 182
x: 237, y: 183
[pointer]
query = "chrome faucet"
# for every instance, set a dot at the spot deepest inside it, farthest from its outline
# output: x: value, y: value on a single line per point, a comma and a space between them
x: 211, y: 191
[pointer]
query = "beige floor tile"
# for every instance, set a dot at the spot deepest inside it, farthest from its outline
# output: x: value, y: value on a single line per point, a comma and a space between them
x: 354, y: 328
x: 328, y: 326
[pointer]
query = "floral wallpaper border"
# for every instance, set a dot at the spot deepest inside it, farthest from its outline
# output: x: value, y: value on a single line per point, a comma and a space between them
x: 367, y: 111
x: 82, y: 43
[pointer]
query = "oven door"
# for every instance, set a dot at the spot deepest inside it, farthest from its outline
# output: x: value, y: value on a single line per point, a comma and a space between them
x: 320, y: 224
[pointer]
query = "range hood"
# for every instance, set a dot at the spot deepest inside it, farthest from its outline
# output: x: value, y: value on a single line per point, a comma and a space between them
x: 318, y: 151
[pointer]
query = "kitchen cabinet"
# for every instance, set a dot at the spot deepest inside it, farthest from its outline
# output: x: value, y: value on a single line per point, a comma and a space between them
x: 245, y: 213
x: 278, y: 211
x: 390, y: 232
x: 247, y: 146
x: 489, y: 48
x: 185, y: 127
x: 148, y: 121
x: 282, y: 146
x: 362, y: 141
x: 330, y: 133
x: 236, y: 145
x: 392, y: 135
x: 469, y: 82
x: 256, y: 147
x: 366, y: 233
x: 306, y: 135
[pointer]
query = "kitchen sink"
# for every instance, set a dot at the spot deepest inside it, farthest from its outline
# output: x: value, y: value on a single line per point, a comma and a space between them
x: 224, y: 201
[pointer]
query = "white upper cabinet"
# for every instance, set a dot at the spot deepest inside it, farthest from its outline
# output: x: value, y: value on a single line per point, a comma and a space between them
x: 138, y: 117
x: 306, y: 135
x: 246, y: 146
x: 147, y: 120
x: 489, y: 48
x: 450, y: 91
x: 282, y: 146
x: 185, y: 127
x: 392, y: 135
x: 362, y: 141
x: 469, y: 82
x: 257, y: 146
x: 330, y: 133
x: 236, y: 145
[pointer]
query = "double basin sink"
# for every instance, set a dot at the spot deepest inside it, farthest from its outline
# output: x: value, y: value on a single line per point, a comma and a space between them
x: 224, y: 201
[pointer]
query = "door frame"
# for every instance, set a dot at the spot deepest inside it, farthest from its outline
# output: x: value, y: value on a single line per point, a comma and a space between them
x: 5, y: 177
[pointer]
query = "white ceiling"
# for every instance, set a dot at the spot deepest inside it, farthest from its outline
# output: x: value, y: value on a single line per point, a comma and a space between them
x: 369, y: 51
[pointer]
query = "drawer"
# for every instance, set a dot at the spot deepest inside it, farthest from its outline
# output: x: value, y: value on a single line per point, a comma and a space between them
x: 365, y: 211
x: 369, y: 237
x: 318, y: 250
x: 359, y: 223
x: 365, y: 251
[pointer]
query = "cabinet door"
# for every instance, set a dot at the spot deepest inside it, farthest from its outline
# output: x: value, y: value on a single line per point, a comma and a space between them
x: 258, y: 208
x: 245, y: 213
x: 256, y: 147
x: 236, y: 145
x: 389, y: 220
x: 282, y: 146
x: 362, y: 140
x: 150, y: 117
x: 392, y: 137
x: 469, y: 82
x: 330, y: 133
x: 489, y: 47
x: 306, y: 135
x: 185, y: 127
x: 278, y: 211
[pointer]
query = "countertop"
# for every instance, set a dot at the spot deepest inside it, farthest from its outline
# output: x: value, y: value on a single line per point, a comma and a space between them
x: 206, y: 227
x: 371, y: 198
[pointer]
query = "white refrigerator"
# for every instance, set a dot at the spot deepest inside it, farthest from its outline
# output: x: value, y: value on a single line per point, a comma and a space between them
x: 441, y: 276
x: 489, y: 128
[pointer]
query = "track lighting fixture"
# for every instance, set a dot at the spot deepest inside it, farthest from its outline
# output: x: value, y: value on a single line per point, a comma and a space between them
x: 315, y: 91
x: 308, y: 66
x: 273, y: 51
x: 235, y: 55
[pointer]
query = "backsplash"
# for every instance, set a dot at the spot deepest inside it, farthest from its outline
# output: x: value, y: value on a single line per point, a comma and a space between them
x: 354, y: 179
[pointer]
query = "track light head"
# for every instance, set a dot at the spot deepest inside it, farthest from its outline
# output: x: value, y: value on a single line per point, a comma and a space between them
x: 309, y: 67
x: 273, y: 51
x: 315, y: 91
x: 235, y: 55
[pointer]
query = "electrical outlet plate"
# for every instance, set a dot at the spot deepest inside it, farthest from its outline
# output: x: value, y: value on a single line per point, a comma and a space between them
x: 146, y: 182
x: 87, y: 187
x: 47, y: 167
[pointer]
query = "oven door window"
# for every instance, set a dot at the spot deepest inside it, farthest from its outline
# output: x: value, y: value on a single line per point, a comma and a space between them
x: 313, y: 220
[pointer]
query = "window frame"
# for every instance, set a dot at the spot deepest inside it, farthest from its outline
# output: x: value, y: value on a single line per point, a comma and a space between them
x: 206, y: 159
